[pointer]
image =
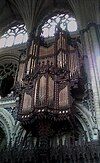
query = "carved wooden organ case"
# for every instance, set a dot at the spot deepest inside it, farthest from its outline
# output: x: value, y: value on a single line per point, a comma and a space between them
x: 52, y: 69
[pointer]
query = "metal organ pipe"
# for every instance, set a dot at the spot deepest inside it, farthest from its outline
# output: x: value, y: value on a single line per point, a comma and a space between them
x: 51, y: 70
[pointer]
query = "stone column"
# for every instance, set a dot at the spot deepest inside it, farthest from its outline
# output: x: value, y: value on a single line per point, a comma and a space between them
x: 91, y: 60
x: 87, y: 14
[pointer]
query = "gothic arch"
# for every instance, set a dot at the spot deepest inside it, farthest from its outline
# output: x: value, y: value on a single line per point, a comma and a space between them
x: 85, y: 118
x: 50, y: 14
x: 9, y: 55
x: 19, y: 133
x: 8, y: 72
x: 7, y: 123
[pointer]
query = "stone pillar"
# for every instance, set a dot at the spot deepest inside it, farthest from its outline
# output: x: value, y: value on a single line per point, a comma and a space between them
x: 87, y: 14
x: 91, y: 60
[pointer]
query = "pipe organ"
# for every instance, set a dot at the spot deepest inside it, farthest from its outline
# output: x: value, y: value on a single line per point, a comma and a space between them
x: 51, y: 70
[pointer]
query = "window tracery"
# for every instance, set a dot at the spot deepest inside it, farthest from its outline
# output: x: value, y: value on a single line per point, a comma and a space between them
x: 15, y: 35
x: 7, y: 69
x: 62, y: 20
x: 7, y: 74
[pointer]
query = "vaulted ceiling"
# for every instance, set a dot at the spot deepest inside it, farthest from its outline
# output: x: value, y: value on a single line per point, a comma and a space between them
x: 9, y: 13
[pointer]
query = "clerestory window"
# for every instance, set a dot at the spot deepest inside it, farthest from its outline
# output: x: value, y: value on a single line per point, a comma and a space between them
x: 65, y: 22
x: 15, y: 35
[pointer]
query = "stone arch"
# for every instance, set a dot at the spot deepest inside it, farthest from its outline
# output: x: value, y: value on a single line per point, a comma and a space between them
x: 7, y: 123
x: 52, y: 13
x: 19, y: 133
x: 8, y: 72
x: 85, y: 118
x: 9, y: 54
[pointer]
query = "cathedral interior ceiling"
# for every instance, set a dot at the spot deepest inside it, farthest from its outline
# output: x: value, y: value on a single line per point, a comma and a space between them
x: 9, y: 13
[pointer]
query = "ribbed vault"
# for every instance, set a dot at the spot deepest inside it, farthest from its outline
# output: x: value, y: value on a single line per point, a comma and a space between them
x: 31, y: 12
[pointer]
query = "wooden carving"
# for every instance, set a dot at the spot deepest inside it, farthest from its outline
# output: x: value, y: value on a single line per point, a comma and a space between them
x: 51, y: 71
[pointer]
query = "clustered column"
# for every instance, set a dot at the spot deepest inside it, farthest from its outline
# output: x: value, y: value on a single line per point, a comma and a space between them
x: 87, y: 13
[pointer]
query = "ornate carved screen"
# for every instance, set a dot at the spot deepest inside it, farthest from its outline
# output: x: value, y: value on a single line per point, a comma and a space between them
x: 51, y: 70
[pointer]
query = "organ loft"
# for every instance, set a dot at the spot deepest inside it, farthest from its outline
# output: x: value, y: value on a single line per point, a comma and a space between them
x: 52, y: 75
x: 49, y: 81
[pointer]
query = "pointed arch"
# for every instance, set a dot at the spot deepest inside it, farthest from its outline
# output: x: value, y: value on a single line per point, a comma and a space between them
x: 7, y: 124
x: 86, y: 120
